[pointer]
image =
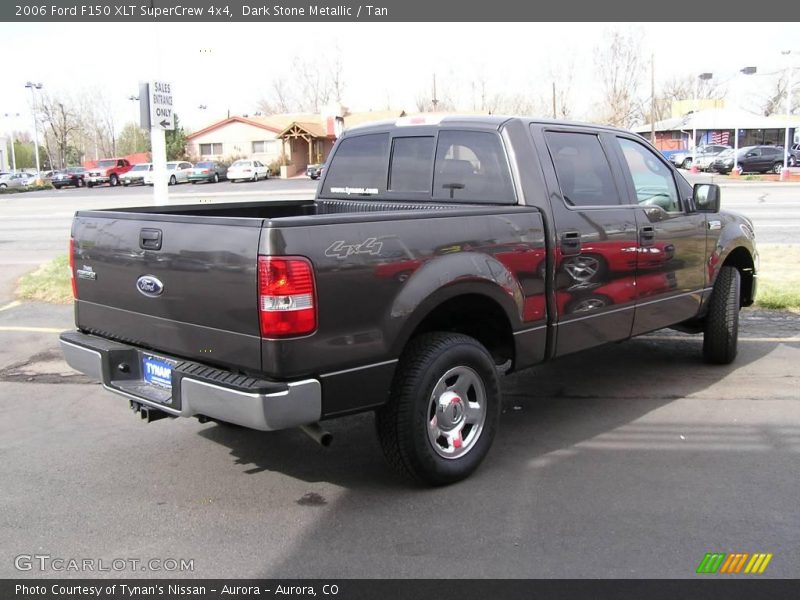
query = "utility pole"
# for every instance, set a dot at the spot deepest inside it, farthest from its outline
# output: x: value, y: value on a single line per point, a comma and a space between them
x: 555, y: 116
x: 786, y: 144
x: 434, y: 100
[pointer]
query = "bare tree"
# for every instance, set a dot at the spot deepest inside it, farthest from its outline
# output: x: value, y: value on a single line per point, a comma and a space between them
x: 685, y: 87
x: 278, y: 100
x: 774, y: 101
x: 620, y: 68
x: 61, y: 124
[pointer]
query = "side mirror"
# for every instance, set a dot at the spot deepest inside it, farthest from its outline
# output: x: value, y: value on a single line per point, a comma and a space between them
x: 706, y: 197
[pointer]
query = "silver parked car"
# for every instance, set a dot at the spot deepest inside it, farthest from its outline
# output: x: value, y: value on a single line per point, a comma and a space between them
x: 705, y: 156
x: 15, y: 180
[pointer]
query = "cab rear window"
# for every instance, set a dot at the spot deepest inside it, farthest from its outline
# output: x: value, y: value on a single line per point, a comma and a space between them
x: 359, y: 166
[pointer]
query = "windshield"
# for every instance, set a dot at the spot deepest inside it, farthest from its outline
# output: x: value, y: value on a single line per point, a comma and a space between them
x: 241, y: 163
x: 107, y: 163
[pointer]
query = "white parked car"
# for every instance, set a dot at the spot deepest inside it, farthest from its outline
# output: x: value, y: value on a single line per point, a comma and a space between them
x: 137, y: 174
x: 178, y: 171
x: 248, y: 169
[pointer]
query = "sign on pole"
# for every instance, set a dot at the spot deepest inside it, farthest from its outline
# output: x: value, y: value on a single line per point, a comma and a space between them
x: 162, y: 114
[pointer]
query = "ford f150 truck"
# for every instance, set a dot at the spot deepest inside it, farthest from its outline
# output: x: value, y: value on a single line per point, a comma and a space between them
x: 436, y: 255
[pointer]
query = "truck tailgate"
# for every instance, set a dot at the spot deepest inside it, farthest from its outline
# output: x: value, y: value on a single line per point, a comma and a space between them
x: 184, y: 287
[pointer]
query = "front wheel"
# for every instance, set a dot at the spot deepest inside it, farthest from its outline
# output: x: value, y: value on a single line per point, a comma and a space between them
x: 443, y: 411
x: 173, y: 180
x: 216, y: 177
x: 113, y: 181
x: 777, y: 168
x: 687, y: 164
x: 721, y: 332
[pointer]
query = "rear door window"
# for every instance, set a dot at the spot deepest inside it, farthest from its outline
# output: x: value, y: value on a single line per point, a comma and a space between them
x: 359, y: 166
x: 471, y: 166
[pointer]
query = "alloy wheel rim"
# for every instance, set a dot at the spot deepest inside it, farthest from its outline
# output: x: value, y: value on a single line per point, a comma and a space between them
x: 456, y: 412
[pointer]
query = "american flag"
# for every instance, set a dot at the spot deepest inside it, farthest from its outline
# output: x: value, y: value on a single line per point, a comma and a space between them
x: 720, y: 137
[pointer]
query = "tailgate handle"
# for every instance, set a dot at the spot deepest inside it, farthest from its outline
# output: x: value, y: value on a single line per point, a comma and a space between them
x: 150, y: 239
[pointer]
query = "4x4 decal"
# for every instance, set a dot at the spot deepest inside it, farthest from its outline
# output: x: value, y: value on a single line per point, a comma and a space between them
x: 341, y: 249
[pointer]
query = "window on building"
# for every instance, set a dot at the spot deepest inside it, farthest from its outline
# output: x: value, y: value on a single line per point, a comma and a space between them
x: 264, y: 146
x: 582, y: 169
x: 210, y: 149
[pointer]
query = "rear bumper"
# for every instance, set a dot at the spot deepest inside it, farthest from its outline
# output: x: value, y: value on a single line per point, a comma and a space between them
x: 197, y: 390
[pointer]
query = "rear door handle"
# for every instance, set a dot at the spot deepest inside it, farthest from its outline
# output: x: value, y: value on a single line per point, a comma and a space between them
x: 570, y: 243
x: 647, y: 235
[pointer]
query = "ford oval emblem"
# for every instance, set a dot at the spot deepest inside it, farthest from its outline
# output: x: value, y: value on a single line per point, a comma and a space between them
x: 149, y: 286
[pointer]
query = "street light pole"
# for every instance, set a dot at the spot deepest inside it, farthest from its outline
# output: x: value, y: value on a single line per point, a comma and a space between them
x: 700, y: 77
x: 133, y: 98
x: 744, y: 71
x: 30, y: 85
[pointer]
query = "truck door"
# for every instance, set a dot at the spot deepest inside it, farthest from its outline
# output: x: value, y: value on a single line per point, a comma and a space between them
x: 671, y: 269
x: 594, y: 259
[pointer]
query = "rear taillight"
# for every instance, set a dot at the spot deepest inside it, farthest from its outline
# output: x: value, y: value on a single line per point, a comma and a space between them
x: 72, y: 268
x: 286, y: 296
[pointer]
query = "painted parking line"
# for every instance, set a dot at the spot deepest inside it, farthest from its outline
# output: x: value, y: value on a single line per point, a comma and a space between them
x: 10, y: 305
x: 788, y: 340
x: 22, y: 329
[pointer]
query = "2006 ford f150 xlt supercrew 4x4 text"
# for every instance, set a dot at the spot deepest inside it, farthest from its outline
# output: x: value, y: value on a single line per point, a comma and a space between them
x: 436, y: 254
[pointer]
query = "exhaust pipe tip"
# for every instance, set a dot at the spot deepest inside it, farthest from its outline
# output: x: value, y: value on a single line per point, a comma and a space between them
x: 318, y: 434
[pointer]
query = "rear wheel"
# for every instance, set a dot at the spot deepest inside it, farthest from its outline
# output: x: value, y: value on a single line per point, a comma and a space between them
x: 113, y: 181
x: 216, y: 177
x: 443, y: 411
x: 777, y: 168
x: 173, y: 180
x: 687, y: 163
x: 721, y: 332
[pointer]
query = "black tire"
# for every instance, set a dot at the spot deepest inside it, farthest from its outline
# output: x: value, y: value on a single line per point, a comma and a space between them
x: 216, y: 177
x: 90, y: 184
x: 80, y: 183
x: 3, y: 186
x: 777, y: 168
x: 172, y: 180
x: 113, y: 181
x: 721, y: 331
x: 403, y: 423
x: 687, y: 163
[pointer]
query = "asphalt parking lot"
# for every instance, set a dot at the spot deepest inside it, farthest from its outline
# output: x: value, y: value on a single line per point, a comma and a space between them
x: 632, y: 460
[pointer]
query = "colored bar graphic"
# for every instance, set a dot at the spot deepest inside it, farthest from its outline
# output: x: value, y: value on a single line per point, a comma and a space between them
x: 711, y: 562
x: 722, y: 563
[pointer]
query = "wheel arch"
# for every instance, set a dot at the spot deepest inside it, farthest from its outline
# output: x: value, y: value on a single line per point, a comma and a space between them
x: 741, y: 258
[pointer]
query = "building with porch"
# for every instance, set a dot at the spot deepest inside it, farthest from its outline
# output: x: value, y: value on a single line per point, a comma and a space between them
x: 296, y: 140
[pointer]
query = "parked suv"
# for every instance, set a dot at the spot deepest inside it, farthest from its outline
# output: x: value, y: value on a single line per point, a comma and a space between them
x: 759, y: 159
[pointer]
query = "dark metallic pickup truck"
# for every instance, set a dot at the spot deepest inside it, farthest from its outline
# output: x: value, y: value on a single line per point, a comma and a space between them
x: 437, y: 254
